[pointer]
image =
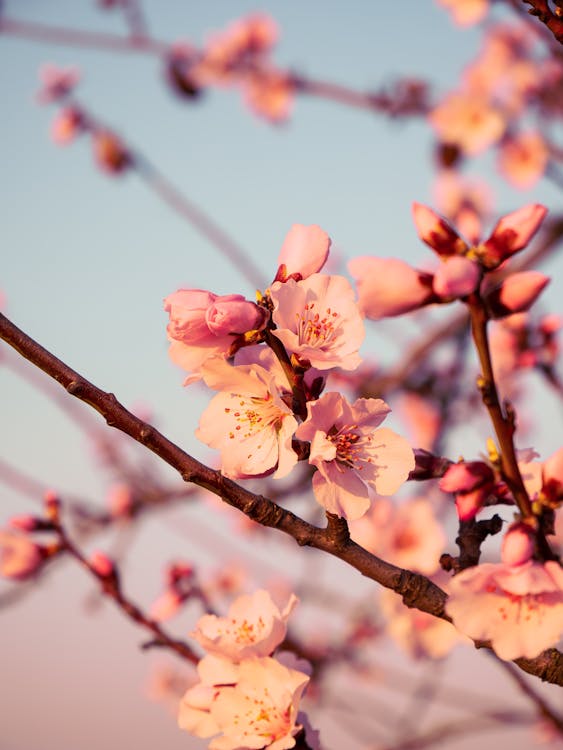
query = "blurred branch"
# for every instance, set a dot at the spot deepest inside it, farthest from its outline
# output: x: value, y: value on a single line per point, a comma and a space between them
x: 416, y: 590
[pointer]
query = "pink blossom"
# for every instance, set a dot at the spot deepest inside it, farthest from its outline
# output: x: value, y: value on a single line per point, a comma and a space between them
x: 519, y: 609
x: 456, y: 277
x: 254, y: 626
x: 472, y: 482
x: 303, y: 253
x: 407, y: 535
x: 516, y: 294
x: 419, y: 634
x: 436, y: 232
x: 466, y: 12
x: 260, y: 711
x: 101, y: 564
x: 353, y: 458
x: 512, y: 233
x: 269, y: 93
x: 468, y: 120
x: 198, y: 323
x: 120, y: 500
x: 517, y: 545
x: 248, y: 421
x: 166, y: 605
x: 389, y: 287
x: 523, y: 159
x: 110, y: 152
x: 233, y: 314
x: 463, y: 201
x: 318, y: 320
x: 56, y: 83
x: 19, y: 556
x: 68, y: 123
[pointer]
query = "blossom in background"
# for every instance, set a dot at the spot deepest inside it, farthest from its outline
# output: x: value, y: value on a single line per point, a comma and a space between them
x: 523, y: 159
x: 407, y: 535
x: 254, y: 626
x: 354, y: 457
x: 56, y: 83
x: 318, y: 320
x: 269, y: 93
x: 468, y: 121
x: 68, y: 123
x: 518, y: 608
x: 466, y: 12
x: 463, y: 201
x: 248, y: 421
x: 19, y: 556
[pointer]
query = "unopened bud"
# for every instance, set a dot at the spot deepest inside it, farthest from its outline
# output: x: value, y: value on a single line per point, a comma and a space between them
x: 516, y: 294
x: 517, y: 545
x: 436, y: 232
x: 102, y: 565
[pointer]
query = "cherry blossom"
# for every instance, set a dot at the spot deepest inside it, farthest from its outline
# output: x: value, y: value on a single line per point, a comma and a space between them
x: 523, y: 159
x: 512, y: 233
x: 254, y: 626
x: 19, y: 556
x: 466, y: 12
x: 318, y: 320
x: 456, y: 277
x: 56, y: 82
x: 248, y: 421
x: 518, y: 608
x: 303, y: 253
x: 469, y: 121
x: 389, y: 286
x: 516, y: 294
x: 260, y: 711
x: 352, y: 457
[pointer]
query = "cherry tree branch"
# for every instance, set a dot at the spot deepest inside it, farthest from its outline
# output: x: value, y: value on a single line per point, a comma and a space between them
x: 416, y: 590
x: 553, y: 21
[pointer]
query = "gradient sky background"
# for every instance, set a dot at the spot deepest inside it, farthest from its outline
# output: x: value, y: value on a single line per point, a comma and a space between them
x: 87, y: 260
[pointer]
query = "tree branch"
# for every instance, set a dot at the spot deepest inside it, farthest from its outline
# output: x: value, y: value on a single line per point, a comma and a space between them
x: 416, y: 590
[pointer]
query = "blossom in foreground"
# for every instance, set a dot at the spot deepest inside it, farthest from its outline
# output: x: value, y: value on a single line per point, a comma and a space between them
x: 204, y: 325
x: 389, y: 286
x: 518, y: 608
x: 354, y: 457
x: 252, y: 705
x: 248, y: 421
x: 19, y: 556
x: 318, y: 320
x: 303, y: 253
x: 254, y: 626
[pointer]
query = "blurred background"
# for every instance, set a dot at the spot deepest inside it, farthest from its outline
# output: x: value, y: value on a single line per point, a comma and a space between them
x: 87, y: 258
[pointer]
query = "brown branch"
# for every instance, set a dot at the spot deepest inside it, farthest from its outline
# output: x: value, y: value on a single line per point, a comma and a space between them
x: 416, y: 590
x: 541, y: 10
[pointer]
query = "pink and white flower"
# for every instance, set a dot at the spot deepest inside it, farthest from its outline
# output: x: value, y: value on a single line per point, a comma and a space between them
x: 254, y: 626
x: 303, y: 253
x: 248, y: 421
x: 318, y: 320
x: 518, y: 608
x: 253, y: 704
x: 354, y: 459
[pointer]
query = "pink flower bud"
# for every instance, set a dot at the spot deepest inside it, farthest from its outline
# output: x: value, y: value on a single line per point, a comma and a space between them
x: 120, y: 500
x: 52, y: 505
x: 304, y: 252
x: 436, y: 232
x: 23, y: 523
x: 165, y: 606
x: 109, y: 152
x: 512, y: 233
x: 232, y: 313
x: 102, y: 565
x: 468, y: 504
x: 187, y: 309
x: 517, y: 545
x: 456, y: 277
x: 66, y: 126
x: 388, y: 286
x: 516, y: 294
x: 552, y: 475
x: 465, y: 477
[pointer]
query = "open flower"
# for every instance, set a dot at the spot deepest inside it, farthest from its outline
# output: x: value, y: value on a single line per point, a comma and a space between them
x: 248, y: 421
x: 518, y: 608
x: 318, y: 320
x: 255, y: 626
x: 352, y: 457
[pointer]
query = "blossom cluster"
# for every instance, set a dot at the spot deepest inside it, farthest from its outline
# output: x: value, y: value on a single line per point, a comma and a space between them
x: 247, y: 696
x: 270, y: 411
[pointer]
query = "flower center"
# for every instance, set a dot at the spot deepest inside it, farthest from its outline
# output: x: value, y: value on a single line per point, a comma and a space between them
x: 315, y: 329
x: 252, y: 415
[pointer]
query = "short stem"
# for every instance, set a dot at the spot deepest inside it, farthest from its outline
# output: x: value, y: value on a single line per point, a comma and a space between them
x: 299, y: 399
